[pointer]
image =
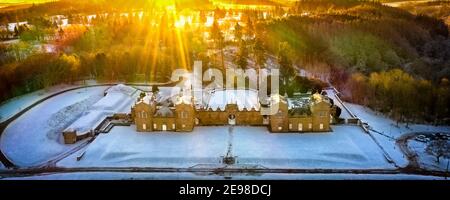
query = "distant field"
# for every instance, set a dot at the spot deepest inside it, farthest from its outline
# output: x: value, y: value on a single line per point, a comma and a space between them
x: 6, y: 5
x: 23, y: 1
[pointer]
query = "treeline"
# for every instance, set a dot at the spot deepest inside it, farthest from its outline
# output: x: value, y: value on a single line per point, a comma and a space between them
x: 401, y: 96
x: 36, y: 72
x: 71, y: 7
x: 115, y: 48
x: 344, y: 38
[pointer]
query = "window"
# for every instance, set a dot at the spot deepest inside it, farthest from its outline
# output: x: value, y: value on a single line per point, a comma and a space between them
x: 138, y: 115
x: 144, y: 114
x: 154, y: 126
x: 310, y: 126
x: 280, y: 128
x: 144, y: 126
x: 290, y: 126
x: 184, y: 126
x: 321, y: 126
x: 300, y: 127
x: 173, y: 126
x: 183, y: 115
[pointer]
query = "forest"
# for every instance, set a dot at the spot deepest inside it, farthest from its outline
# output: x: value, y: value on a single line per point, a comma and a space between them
x: 386, y: 58
x: 392, y: 60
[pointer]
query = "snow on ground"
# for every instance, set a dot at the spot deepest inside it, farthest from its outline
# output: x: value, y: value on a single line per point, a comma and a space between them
x: 33, y: 138
x: 425, y: 160
x: 13, y: 106
x: 59, y: 120
x: 188, y: 176
x: 123, y: 146
x: 382, y: 124
x: 346, y: 147
x: 118, y: 99
x: 344, y: 114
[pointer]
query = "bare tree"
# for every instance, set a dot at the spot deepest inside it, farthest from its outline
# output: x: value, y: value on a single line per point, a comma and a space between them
x: 439, y: 148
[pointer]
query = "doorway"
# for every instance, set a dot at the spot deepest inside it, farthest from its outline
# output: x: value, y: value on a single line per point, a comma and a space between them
x: 232, y: 119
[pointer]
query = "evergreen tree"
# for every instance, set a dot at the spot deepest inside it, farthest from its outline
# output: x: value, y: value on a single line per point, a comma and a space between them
x: 242, y: 56
x: 237, y: 32
x: 218, y: 38
x: 287, y: 70
x: 259, y: 52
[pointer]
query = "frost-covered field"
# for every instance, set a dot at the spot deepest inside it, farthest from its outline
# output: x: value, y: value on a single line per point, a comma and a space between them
x: 347, y: 147
x: 388, y: 127
x: 17, y: 104
x: 35, y: 136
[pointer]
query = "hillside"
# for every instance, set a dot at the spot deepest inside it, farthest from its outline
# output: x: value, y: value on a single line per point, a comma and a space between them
x: 360, y: 44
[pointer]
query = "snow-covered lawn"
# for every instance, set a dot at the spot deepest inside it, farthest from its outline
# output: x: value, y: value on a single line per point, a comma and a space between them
x: 35, y: 136
x: 344, y: 113
x: 388, y: 127
x: 13, y: 106
x: 346, y: 147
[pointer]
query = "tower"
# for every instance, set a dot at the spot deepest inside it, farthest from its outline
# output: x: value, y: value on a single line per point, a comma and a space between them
x: 279, y: 121
x: 184, y: 114
x: 321, y: 114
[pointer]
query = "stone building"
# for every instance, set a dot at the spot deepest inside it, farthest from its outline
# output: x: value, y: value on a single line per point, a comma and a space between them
x: 302, y: 113
x: 180, y: 112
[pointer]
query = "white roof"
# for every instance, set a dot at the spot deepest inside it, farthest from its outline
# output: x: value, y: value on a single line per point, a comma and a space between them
x: 298, y: 102
x: 247, y: 99
x: 120, y: 88
x: 167, y: 93
x: 164, y: 111
x: 89, y: 122
x: 148, y: 98
x: 117, y: 100
x: 185, y: 99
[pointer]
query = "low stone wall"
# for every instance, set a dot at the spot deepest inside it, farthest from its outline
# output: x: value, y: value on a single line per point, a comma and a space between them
x: 210, y: 118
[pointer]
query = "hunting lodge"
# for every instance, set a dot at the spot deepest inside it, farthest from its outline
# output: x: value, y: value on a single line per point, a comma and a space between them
x: 161, y: 112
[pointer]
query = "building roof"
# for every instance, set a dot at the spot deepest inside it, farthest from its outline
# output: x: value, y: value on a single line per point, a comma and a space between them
x: 167, y: 96
x: 298, y: 102
x: 164, y: 111
x: 244, y: 99
x: 301, y: 103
